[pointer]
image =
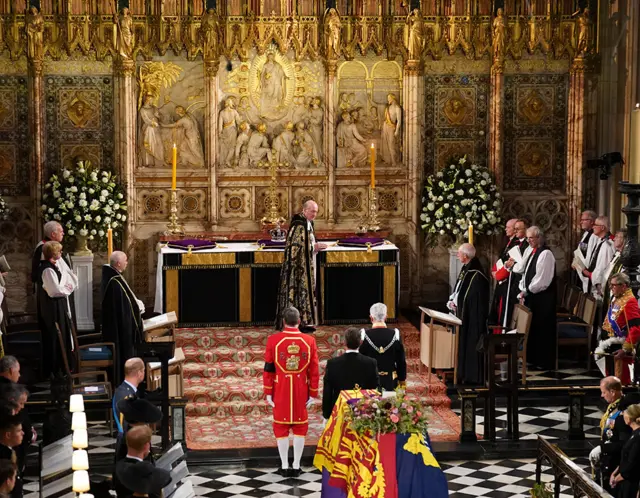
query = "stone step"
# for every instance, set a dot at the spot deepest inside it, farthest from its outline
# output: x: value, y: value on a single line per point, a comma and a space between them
x: 249, y: 369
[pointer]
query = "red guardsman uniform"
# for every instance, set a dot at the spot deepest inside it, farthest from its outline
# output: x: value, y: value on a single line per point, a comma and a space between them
x: 291, y: 377
x: 623, y: 322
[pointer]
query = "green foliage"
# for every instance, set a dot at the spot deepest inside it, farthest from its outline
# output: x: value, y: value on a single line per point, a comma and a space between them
x: 378, y: 415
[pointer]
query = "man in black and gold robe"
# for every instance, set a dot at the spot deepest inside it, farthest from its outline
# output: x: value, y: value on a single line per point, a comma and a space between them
x: 470, y: 303
x: 121, y: 312
x: 297, y: 278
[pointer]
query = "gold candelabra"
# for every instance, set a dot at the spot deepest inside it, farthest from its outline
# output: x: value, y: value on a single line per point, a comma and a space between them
x: 370, y: 222
x: 174, y: 227
x: 273, y: 214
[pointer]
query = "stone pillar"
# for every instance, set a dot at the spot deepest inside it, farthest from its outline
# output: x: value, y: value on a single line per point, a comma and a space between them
x: 83, y: 268
x: 125, y: 137
x: 36, y: 128
x: 329, y: 141
x: 496, y: 121
x: 413, y: 115
x: 211, y: 135
x: 575, y: 143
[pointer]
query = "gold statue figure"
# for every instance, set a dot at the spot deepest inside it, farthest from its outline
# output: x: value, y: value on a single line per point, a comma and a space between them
x: 534, y: 164
x: 499, y: 27
x: 584, y: 32
x: 124, y: 25
x: 415, y: 38
x: 35, y: 35
x: 209, y: 33
x: 333, y: 30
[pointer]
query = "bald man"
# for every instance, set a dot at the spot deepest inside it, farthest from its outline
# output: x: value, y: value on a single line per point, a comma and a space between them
x: 297, y: 278
x: 121, y: 312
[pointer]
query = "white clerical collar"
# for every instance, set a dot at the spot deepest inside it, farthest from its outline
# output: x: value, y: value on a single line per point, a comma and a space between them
x: 351, y: 351
x: 135, y: 458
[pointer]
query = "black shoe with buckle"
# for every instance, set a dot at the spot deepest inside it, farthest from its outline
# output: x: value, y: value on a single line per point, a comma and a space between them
x: 283, y: 472
x: 295, y: 473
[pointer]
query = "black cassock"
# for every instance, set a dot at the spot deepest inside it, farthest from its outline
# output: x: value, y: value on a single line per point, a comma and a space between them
x: 52, y: 310
x: 121, y: 317
x: 473, y: 310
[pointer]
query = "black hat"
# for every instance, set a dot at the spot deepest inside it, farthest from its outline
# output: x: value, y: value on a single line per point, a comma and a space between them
x: 137, y: 410
x: 142, y: 477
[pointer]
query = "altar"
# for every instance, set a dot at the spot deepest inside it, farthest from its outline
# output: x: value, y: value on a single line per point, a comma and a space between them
x: 236, y: 283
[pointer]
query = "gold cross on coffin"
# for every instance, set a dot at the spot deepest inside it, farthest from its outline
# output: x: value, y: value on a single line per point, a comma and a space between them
x: 273, y: 215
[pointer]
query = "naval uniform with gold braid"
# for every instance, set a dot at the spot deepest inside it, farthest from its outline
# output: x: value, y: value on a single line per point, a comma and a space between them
x: 291, y: 377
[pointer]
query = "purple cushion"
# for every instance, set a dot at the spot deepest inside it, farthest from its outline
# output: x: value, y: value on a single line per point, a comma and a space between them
x: 272, y: 243
x: 193, y: 244
x: 361, y: 242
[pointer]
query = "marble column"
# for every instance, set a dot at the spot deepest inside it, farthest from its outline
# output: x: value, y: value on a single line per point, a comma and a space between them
x: 211, y: 135
x: 496, y: 121
x: 413, y: 102
x: 125, y: 137
x: 329, y: 141
x: 575, y: 142
x: 36, y: 128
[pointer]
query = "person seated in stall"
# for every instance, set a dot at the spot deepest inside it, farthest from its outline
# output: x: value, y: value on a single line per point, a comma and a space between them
x: 8, y: 476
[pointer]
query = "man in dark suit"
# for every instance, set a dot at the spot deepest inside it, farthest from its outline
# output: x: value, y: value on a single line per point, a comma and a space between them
x: 133, y: 377
x: 8, y: 475
x: 11, y: 437
x: 134, y: 473
x: 348, y: 371
x: 384, y: 345
x: 9, y: 369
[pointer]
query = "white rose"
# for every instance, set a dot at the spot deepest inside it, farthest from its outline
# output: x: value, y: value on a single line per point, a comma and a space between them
x: 104, y: 193
x: 114, y: 224
x: 471, y: 190
x: 71, y: 231
x: 116, y: 206
x: 440, y: 198
x: 43, y: 207
x: 462, y: 181
x: 124, y: 218
x: 82, y: 203
x: 66, y: 173
x: 83, y: 232
x: 474, y: 167
x: 102, y: 199
x: 482, y: 182
x: 94, y: 176
x: 430, y: 206
x: 439, y: 175
x: 105, y: 180
x: 439, y: 223
x: 441, y: 232
x: 118, y: 216
x: 92, y: 191
x: 459, y: 192
x: 90, y: 237
x: 56, y: 194
x: 74, y: 189
x: 107, y: 220
x: 56, y: 216
x: 423, y: 217
x: 446, y: 205
x: 120, y: 196
x: 50, y: 210
x: 83, y: 195
x: 70, y: 179
x: 97, y: 219
x: 468, y: 172
x: 456, y: 231
x: 93, y: 232
x: 101, y: 233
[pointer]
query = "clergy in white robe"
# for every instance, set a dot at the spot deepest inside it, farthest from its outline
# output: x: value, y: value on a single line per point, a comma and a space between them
x: 601, y: 256
x: 538, y: 293
x: 586, y: 245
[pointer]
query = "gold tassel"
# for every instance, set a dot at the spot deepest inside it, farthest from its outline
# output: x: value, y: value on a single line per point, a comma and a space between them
x: 369, y: 250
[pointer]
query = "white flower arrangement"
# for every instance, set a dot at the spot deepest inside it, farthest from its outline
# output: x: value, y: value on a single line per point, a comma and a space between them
x: 85, y: 201
x: 459, y: 195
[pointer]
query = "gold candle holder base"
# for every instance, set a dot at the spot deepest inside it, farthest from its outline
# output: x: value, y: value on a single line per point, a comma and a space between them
x: 174, y: 227
x: 373, y: 225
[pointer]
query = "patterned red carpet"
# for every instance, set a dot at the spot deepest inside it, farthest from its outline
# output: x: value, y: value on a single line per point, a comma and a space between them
x: 223, y: 382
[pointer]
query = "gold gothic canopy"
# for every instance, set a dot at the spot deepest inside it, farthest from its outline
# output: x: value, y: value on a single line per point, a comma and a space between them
x: 146, y: 28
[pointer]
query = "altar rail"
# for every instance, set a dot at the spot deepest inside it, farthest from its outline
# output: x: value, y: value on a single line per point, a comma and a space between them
x: 562, y: 466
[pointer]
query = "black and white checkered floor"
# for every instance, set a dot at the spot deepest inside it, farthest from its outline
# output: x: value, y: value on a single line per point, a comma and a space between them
x: 489, y: 478
x: 550, y: 422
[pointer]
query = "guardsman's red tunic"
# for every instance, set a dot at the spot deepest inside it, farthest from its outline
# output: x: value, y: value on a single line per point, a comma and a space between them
x: 291, y: 377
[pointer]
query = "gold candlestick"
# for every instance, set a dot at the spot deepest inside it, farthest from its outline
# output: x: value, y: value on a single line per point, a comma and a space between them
x: 373, y: 225
x: 174, y: 227
x: 273, y: 215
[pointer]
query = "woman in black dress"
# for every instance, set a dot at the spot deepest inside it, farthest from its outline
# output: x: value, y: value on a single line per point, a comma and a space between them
x: 626, y: 477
